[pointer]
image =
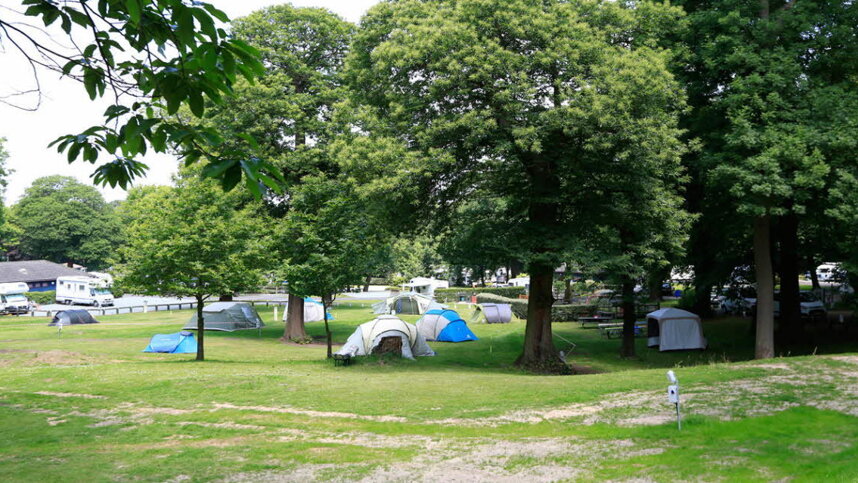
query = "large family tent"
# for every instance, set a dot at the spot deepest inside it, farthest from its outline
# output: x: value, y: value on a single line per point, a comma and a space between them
x: 673, y: 329
x: 313, y: 311
x: 70, y: 317
x: 369, y: 335
x: 444, y: 326
x: 179, y: 343
x: 227, y: 316
x: 406, y: 303
x: 492, y: 313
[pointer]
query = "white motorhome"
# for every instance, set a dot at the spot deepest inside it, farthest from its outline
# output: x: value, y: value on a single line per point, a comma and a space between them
x: 84, y: 291
x: 12, y: 298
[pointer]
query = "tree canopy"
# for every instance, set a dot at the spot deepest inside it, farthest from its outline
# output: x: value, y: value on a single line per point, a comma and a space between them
x: 529, y: 100
x: 149, y: 57
x: 63, y: 220
x: 194, y: 240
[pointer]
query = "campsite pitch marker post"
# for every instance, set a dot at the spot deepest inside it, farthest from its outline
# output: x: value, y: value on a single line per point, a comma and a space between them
x: 673, y: 396
x: 275, y: 313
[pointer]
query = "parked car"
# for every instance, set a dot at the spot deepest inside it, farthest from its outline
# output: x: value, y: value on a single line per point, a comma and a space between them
x: 810, y: 305
x: 735, y: 300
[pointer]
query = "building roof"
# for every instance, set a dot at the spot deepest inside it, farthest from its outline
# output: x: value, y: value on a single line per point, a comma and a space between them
x: 35, y: 271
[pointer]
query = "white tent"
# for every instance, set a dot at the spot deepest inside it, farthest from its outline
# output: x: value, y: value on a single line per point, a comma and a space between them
x: 406, y: 303
x: 673, y: 329
x: 313, y: 311
x: 369, y: 335
x: 424, y: 286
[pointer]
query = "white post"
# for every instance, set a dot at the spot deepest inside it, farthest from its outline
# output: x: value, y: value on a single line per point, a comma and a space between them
x: 673, y: 396
x: 145, y: 306
x: 275, y: 313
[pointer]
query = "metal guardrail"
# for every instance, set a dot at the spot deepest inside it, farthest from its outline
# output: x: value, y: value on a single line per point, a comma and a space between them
x: 141, y: 308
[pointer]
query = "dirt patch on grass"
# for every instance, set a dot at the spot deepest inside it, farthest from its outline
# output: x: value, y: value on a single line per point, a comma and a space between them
x: 69, y: 394
x: 791, y: 384
x: 23, y: 358
x: 222, y: 425
x: 311, y: 413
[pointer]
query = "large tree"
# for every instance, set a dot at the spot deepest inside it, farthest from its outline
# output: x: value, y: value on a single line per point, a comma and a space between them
x: 329, y: 240
x: 287, y: 112
x: 63, y: 220
x: 194, y: 240
x: 772, y: 85
x: 148, y: 57
x: 8, y: 232
x: 519, y: 98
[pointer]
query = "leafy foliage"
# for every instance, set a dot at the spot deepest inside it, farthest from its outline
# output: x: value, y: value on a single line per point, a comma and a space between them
x: 550, y: 104
x: 192, y: 240
x: 63, y: 220
x: 151, y: 57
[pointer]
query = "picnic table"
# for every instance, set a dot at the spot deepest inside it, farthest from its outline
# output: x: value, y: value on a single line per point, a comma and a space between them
x: 594, y: 319
x: 612, y: 330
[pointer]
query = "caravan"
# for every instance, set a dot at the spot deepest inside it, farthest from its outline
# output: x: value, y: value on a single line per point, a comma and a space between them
x: 12, y: 298
x: 84, y: 291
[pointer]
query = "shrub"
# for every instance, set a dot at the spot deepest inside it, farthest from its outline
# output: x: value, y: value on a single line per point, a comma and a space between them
x: 686, y: 302
x: 452, y: 294
x: 43, y: 298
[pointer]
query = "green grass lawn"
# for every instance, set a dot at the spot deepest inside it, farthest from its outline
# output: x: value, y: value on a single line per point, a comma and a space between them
x: 90, y: 406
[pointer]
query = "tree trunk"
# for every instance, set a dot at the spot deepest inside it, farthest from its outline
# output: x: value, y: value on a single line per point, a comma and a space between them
x: 514, y: 269
x: 327, y: 301
x: 655, y: 278
x: 295, y: 320
x: 201, y: 329
x: 366, y: 283
x: 790, y: 305
x: 627, y: 349
x: 765, y: 341
x: 814, y: 278
x: 539, y: 352
x: 567, y: 292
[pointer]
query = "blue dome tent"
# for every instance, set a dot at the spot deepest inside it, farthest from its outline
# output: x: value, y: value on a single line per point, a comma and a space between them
x: 179, y: 343
x: 444, y: 326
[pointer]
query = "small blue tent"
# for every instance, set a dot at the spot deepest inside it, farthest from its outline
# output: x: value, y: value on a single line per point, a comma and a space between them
x: 179, y: 343
x: 444, y: 326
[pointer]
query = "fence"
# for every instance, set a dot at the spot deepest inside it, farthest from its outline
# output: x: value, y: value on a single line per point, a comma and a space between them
x: 142, y: 308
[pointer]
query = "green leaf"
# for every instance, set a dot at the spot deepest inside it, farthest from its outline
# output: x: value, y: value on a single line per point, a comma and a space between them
x: 133, y: 7
x: 195, y: 99
x: 216, y: 13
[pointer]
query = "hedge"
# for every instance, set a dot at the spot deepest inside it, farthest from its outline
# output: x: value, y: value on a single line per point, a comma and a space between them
x: 559, y: 313
x: 43, y: 298
x: 452, y: 294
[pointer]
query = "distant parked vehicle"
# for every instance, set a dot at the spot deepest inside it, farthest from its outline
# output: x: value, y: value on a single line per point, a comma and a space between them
x: 84, y: 291
x: 12, y: 298
x: 810, y: 305
x: 829, y: 272
x: 736, y: 300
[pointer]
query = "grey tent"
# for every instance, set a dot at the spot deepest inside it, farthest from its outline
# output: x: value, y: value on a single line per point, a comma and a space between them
x: 369, y: 335
x: 493, y: 313
x: 69, y: 317
x: 228, y: 316
x: 406, y: 303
